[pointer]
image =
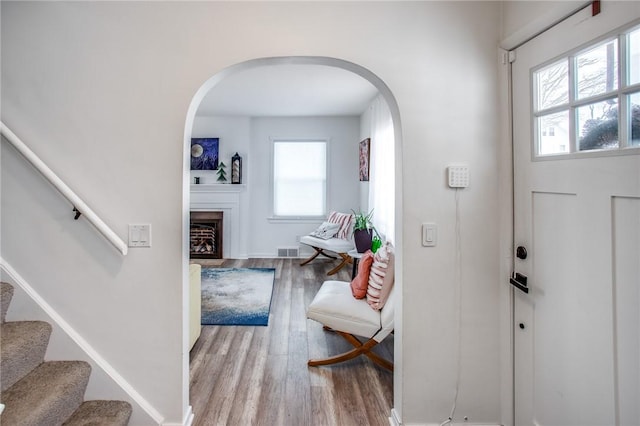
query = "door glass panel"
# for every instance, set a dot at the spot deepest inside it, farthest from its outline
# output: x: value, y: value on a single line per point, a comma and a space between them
x: 597, y: 70
x: 634, y: 57
x: 552, y: 85
x: 553, y: 133
x: 634, y: 119
x: 598, y: 125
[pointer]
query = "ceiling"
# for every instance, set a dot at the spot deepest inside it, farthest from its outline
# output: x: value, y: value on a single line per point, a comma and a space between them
x: 289, y: 90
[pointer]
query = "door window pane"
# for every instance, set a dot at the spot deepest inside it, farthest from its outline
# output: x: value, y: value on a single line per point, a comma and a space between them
x: 598, y: 125
x: 634, y: 119
x: 576, y: 99
x: 299, y: 178
x: 597, y: 70
x: 552, y: 85
x: 553, y: 133
x: 633, y: 56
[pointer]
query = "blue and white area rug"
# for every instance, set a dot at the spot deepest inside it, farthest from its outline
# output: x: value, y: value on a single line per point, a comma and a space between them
x: 236, y: 296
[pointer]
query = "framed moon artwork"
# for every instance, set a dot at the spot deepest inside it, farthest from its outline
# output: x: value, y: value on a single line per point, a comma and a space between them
x: 204, y: 153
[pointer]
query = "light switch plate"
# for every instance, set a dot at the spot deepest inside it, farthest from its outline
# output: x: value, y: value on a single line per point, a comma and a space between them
x: 429, y: 234
x: 140, y: 235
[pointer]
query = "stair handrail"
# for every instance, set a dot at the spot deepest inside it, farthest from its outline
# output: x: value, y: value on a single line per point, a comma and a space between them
x: 79, y: 206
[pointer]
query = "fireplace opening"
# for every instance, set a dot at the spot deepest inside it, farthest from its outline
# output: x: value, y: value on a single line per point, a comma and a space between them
x: 205, y: 235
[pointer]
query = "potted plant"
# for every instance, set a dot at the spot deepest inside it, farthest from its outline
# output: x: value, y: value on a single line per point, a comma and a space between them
x: 363, y: 230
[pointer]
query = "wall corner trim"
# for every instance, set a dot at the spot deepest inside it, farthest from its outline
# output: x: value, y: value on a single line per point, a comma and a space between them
x: 188, y: 419
x: 394, y: 420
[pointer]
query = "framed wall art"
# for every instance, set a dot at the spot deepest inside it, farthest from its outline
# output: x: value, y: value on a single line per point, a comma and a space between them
x: 204, y: 153
x: 365, y: 146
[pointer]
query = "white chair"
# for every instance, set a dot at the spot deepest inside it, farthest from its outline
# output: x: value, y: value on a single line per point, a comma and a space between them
x: 335, y: 245
x: 337, y: 310
x: 340, y: 243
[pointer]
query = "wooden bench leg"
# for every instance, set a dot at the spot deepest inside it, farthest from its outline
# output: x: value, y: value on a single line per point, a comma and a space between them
x: 371, y: 355
x: 346, y: 260
x: 314, y: 255
x: 359, y: 349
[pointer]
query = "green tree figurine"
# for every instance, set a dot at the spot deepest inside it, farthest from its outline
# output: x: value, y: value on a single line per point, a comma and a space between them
x: 222, y: 174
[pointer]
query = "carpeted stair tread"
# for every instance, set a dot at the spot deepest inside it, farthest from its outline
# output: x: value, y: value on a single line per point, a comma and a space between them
x: 22, y: 348
x: 101, y: 413
x: 6, y: 293
x: 48, y: 395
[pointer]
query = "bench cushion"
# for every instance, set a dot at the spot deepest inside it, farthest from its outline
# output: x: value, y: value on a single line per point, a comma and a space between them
x: 335, y: 307
x: 336, y: 245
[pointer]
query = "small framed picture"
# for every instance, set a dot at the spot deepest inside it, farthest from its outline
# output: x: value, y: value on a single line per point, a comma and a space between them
x: 364, y: 159
x: 204, y: 153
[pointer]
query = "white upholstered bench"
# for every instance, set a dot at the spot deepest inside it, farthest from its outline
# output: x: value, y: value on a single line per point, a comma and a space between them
x: 337, y: 310
x: 335, y: 245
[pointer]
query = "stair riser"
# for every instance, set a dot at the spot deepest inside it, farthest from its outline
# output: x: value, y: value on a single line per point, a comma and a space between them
x: 6, y: 294
x: 22, y: 348
x: 56, y: 414
x: 94, y: 413
x: 48, y: 395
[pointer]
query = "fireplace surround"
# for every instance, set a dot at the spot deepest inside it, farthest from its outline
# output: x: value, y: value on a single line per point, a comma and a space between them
x: 224, y: 198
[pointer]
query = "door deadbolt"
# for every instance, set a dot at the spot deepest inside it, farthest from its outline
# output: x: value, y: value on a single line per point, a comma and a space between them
x: 521, y: 252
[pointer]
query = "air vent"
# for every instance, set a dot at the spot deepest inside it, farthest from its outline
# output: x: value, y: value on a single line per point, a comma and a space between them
x: 288, y: 252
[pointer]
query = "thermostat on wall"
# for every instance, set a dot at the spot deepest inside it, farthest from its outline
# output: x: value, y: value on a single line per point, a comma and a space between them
x: 458, y: 176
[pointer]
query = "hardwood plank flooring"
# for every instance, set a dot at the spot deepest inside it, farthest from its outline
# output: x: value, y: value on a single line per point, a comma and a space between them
x: 242, y: 375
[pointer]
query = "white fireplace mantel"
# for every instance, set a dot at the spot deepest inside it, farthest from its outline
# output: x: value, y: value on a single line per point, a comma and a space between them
x: 217, y: 187
x: 226, y: 199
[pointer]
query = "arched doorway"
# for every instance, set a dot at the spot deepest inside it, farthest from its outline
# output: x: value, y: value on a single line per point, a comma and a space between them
x: 388, y: 98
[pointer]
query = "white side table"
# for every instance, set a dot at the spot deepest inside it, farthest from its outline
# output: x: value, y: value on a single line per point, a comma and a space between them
x: 355, y: 256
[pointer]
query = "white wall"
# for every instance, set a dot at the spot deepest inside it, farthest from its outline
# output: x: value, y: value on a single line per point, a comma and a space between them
x: 101, y: 92
x: 365, y: 132
x: 524, y: 19
x: 342, y: 183
x: 234, y: 134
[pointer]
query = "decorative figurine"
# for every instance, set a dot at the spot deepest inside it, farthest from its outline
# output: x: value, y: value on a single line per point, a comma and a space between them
x: 236, y: 169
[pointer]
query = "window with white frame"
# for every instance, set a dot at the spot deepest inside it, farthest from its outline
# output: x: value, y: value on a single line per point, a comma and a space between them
x: 299, y: 178
x: 589, y: 100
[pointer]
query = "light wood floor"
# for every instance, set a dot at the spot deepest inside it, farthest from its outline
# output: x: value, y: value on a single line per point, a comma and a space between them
x: 259, y: 375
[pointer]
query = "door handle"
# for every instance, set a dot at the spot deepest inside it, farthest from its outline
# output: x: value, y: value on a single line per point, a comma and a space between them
x: 519, y: 281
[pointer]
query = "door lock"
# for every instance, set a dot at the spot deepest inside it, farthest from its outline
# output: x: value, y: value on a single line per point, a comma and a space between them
x: 521, y: 252
x: 519, y: 281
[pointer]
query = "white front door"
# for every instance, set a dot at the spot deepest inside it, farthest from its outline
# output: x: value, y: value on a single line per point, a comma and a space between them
x: 577, y: 215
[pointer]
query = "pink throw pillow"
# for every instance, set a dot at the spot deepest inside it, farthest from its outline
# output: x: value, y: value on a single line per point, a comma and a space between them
x: 381, y: 277
x: 360, y: 283
x: 344, y: 220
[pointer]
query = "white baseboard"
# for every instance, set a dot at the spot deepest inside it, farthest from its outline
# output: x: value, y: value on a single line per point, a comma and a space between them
x: 90, y: 352
x: 394, y: 420
x: 457, y: 424
x: 188, y: 419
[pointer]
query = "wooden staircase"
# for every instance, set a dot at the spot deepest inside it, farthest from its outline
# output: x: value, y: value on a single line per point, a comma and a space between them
x: 37, y: 392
